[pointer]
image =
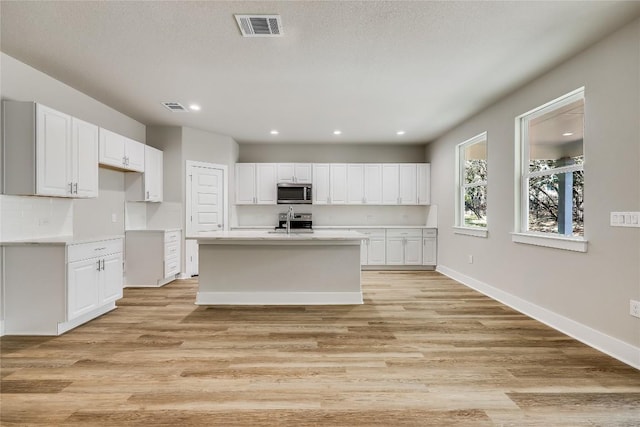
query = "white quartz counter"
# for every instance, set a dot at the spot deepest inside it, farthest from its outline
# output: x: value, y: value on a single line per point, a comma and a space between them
x: 254, y: 236
x: 59, y: 240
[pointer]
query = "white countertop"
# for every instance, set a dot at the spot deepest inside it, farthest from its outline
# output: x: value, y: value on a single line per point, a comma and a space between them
x: 153, y: 230
x: 59, y: 240
x: 266, y: 236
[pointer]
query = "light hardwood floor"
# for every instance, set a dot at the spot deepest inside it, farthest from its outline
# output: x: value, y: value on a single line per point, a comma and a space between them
x: 422, y: 351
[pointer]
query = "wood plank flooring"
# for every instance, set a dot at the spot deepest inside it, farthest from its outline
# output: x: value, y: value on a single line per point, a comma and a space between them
x: 422, y: 351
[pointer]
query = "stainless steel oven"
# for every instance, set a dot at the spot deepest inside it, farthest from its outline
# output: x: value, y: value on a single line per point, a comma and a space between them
x: 294, y: 193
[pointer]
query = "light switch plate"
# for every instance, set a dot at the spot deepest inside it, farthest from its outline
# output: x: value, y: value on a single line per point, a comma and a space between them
x: 625, y: 219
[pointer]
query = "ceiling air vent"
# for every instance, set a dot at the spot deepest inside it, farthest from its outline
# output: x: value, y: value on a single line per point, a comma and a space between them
x: 260, y: 25
x: 176, y: 107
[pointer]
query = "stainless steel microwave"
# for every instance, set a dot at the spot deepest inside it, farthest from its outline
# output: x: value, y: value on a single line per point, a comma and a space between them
x: 293, y: 193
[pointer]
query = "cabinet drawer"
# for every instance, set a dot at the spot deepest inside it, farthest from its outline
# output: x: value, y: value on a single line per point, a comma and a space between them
x: 171, y: 267
x: 172, y: 250
x: 372, y: 233
x: 100, y: 248
x: 429, y: 232
x: 404, y: 232
x: 171, y: 237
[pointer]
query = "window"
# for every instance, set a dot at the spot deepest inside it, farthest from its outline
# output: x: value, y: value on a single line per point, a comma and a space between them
x: 471, y: 186
x: 551, y: 166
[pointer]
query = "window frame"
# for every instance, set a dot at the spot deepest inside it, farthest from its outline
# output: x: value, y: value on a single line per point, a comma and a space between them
x: 461, y: 187
x: 521, y: 233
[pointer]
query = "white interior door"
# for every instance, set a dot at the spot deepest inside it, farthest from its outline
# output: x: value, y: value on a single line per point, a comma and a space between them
x: 207, y: 200
x: 206, y: 207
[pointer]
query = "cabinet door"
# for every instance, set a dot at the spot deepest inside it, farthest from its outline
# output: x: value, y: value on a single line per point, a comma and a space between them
x: 153, y: 174
x: 395, y: 250
x: 321, y: 183
x: 376, y: 251
x: 424, y: 183
x: 134, y: 152
x: 82, y: 286
x: 111, y: 148
x: 408, y: 192
x: 429, y: 251
x: 373, y: 184
x: 53, y: 152
x: 84, y: 158
x: 338, y: 187
x: 355, y: 184
x: 266, y: 186
x: 302, y: 173
x: 245, y: 183
x: 286, y: 172
x: 390, y: 183
x: 111, y: 278
x: 413, y: 250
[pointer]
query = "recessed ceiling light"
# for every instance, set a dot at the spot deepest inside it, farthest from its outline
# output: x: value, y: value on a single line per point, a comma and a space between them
x: 194, y: 107
x: 337, y: 132
x: 400, y: 132
x: 274, y: 132
x: 567, y: 134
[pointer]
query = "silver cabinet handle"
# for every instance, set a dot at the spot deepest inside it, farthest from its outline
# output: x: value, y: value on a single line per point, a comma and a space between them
x: 98, y: 265
x: 147, y: 194
x: 75, y: 185
x: 124, y: 160
x: 71, y: 187
x: 102, y: 265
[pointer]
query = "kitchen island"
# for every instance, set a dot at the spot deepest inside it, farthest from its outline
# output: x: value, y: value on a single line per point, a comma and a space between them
x: 259, y: 267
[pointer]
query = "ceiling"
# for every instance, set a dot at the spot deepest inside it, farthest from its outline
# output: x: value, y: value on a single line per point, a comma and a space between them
x: 367, y: 68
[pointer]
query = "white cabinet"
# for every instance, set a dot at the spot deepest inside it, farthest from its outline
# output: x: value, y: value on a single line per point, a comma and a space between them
x: 373, y: 184
x: 48, y: 153
x: 355, y: 184
x: 404, y: 246
x: 295, y: 172
x: 121, y: 152
x: 152, y: 257
x: 321, y: 183
x: 256, y: 184
x: 407, y: 190
x: 424, y: 183
x: 72, y: 284
x: 338, y: 186
x: 373, y: 249
x: 399, y: 184
x: 147, y: 186
x: 429, y: 247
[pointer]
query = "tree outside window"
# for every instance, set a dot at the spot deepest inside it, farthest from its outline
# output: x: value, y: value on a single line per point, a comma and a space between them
x: 471, y: 206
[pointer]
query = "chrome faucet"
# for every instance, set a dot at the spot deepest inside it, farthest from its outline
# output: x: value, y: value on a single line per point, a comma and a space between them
x: 289, y: 218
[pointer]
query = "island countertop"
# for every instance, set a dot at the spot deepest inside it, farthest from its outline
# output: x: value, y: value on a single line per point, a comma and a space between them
x: 273, y: 237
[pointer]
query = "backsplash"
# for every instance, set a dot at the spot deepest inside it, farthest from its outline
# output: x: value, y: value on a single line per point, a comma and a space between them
x: 23, y: 217
x: 266, y: 215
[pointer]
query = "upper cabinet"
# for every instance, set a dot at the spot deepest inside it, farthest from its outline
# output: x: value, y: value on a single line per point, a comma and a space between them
x: 294, y: 172
x: 48, y: 153
x: 121, y: 152
x: 148, y: 186
x: 339, y: 183
x: 424, y: 183
x: 256, y: 184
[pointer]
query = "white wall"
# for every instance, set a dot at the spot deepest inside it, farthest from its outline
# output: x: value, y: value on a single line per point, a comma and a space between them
x: 593, y: 288
x: 331, y: 153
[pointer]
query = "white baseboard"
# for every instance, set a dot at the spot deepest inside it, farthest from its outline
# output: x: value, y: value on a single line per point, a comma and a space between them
x: 614, y: 347
x: 278, y: 298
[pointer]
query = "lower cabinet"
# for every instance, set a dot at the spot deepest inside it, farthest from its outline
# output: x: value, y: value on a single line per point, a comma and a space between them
x: 373, y: 249
x: 72, y: 284
x: 398, y: 246
x: 152, y: 257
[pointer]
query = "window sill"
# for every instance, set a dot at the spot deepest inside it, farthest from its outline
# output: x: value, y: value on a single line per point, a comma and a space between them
x: 575, y: 244
x: 468, y: 231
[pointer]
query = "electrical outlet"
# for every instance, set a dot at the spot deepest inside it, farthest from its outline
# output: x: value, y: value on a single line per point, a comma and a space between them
x: 114, y: 218
x: 470, y: 259
x: 634, y: 308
